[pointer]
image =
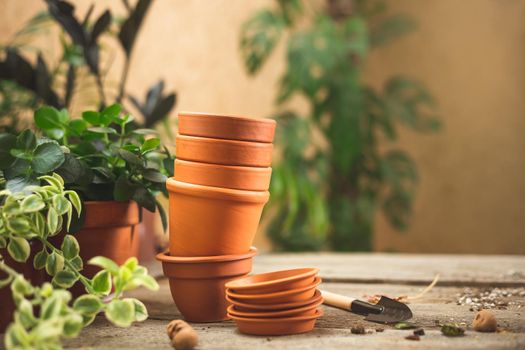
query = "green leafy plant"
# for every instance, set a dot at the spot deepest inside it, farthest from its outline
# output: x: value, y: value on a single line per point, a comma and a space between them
x: 80, y: 68
x: 44, y: 314
x: 102, y: 156
x: 337, y: 165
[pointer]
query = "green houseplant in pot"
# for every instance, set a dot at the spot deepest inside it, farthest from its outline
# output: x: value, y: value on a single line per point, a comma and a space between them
x: 42, y: 314
x: 338, y: 165
x: 102, y: 156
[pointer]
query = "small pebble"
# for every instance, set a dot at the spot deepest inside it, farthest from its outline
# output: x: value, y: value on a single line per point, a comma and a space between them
x: 358, y: 330
x: 419, y: 331
x: 379, y: 330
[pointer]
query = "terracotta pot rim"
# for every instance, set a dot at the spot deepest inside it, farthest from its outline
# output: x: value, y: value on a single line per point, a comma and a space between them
x: 256, y: 169
x: 166, y: 258
x: 317, y: 296
x: 216, y: 192
x: 235, y: 143
x: 285, y: 293
x: 239, y: 286
x: 270, y: 314
x: 318, y: 313
x: 229, y: 116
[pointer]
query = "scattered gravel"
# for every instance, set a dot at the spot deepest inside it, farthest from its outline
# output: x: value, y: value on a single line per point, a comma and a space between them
x: 494, y: 298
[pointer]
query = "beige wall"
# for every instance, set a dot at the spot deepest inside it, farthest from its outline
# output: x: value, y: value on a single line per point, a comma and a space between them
x: 470, y: 53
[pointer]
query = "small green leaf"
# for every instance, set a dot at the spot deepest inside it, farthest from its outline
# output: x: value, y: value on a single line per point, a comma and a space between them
x: 145, y: 199
x: 77, y: 263
x: 452, y: 330
x: 102, y: 282
x: 102, y: 130
x: 21, y: 286
x: 51, y: 307
x: 131, y: 263
x: 111, y: 112
x: 61, y: 204
x: 47, y: 157
x: 121, y: 312
x: 146, y: 281
x: 91, y: 117
x: 75, y: 200
x: 3, y: 242
x: 141, y: 312
x: 65, y: 279
x: 19, y: 249
x: 88, y: 305
x: 47, y: 118
x: 25, y: 314
x: 54, y: 263
x: 39, y: 262
x: 32, y: 203
x: 70, y: 247
x: 26, y: 140
x: 73, y: 324
x: 52, y: 220
x: 405, y: 325
x: 105, y: 263
x: 77, y: 126
x: 149, y: 145
x: 145, y: 131
x: 19, y: 225
x: 58, y: 185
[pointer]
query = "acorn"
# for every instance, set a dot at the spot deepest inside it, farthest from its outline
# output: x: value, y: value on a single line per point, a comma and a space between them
x: 182, y: 335
x: 485, y: 321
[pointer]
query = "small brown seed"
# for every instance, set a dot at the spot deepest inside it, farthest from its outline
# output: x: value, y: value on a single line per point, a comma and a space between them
x: 412, y: 337
x: 182, y: 335
x: 358, y: 330
x: 379, y: 330
x: 419, y: 331
x: 485, y: 321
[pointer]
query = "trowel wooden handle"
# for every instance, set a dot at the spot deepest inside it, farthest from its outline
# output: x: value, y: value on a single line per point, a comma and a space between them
x: 337, y: 300
x: 350, y: 304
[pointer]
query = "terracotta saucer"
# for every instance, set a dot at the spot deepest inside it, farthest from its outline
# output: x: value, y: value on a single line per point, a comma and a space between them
x: 243, y: 306
x: 279, y: 326
x: 307, y: 310
x: 226, y: 127
x: 288, y: 296
x: 273, y: 281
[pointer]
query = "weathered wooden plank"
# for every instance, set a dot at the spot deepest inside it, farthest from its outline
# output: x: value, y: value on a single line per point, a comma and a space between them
x: 455, y: 270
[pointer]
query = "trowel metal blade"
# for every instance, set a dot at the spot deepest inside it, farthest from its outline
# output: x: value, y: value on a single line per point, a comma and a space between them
x: 393, y: 312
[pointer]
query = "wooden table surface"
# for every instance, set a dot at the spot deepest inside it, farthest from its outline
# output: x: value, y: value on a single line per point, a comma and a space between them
x: 355, y: 275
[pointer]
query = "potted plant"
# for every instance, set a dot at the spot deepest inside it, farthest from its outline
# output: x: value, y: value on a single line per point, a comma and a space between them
x: 42, y: 314
x: 115, y: 168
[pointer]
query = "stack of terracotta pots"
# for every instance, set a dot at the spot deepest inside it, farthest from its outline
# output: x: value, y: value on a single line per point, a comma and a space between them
x: 275, y: 303
x: 217, y: 194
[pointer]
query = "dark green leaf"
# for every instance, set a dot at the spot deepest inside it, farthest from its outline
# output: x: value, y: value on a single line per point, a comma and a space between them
x: 145, y: 199
x: 39, y: 262
x: 7, y: 142
x: 48, y: 118
x: 124, y: 189
x: 91, y: 117
x: 163, y: 216
x: 100, y: 25
x: 20, y: 183
x: 150, y: 145
x: 26, y: 140
x: 130, y: 157
x: 77, y: 126
x: 154, y: 175
x: 47, y: 157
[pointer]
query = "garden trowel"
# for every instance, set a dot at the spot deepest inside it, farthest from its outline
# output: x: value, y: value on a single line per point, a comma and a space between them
x: 385, y: 311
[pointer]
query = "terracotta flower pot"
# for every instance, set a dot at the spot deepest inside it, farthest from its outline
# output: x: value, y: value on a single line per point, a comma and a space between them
x: 197, y: 283
x: 288, y: 296
x: 277, y: 326
x: 244, y: 306
x: 36, y: 277
x: 274, y: 281
x: 111, y: 230
x: 228, y: 176
x: 207, y: 221
x: 225, y: 152
x: 226, y: 127
x: 307, y: 310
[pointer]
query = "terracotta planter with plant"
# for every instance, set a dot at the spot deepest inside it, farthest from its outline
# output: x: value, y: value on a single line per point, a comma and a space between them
x: 227, y: 127
x: 207, y: 220
x: 225, y: 152
x: 197, y: 283
x: 227, y: 176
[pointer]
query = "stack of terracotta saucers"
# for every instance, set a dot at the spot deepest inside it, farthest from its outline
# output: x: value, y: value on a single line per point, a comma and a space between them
x: 217, y: 194
x: 275, y: 303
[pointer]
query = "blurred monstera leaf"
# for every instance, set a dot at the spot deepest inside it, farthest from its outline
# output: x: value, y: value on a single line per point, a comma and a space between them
x: 156, y: 105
